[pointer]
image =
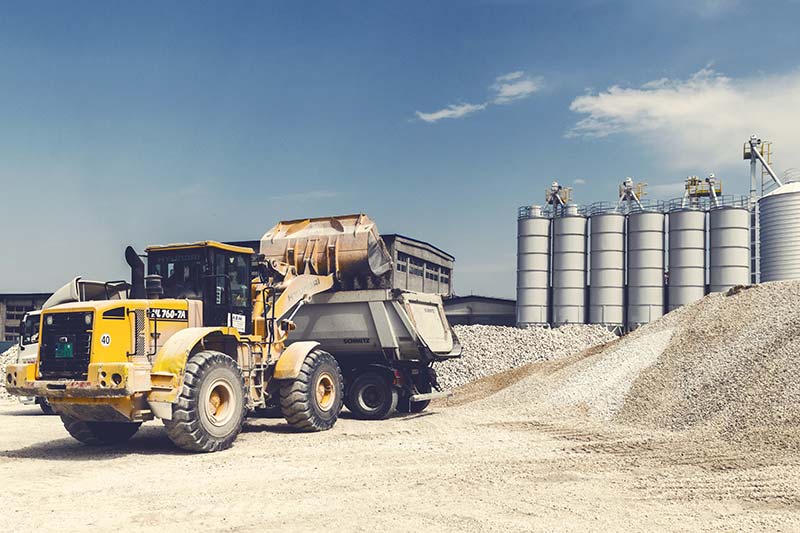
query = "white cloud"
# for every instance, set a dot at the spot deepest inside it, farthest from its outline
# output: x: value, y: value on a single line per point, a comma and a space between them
x: 579, y: 181
x: 699, y: 123
x: 451, y: 111
x: 513, y: 86
x: 511, y: 76
x: 505, y: 89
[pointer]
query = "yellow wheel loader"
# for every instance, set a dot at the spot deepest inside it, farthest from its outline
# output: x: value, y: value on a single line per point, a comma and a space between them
x: 201, y: 340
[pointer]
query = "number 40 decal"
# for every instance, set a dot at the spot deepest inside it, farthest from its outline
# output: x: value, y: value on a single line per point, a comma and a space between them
x: 105, y: 339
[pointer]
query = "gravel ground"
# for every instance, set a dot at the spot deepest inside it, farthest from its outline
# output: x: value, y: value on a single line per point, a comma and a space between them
x: 492, y: 349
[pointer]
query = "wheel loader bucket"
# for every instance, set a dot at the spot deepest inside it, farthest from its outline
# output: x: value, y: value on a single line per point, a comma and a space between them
x: 346, y: 246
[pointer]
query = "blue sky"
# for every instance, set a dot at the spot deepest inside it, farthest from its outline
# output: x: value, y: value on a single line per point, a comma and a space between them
x: 140, y: 123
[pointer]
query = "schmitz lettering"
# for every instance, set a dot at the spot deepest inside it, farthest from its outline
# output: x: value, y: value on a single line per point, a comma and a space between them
x: 362, y: 340
x: 157, y: 313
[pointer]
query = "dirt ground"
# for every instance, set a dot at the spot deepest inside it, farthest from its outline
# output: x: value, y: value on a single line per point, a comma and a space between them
x: 469, y: 465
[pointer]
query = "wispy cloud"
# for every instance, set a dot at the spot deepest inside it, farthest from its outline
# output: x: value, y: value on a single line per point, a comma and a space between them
x: 702, y: 119
x: 308, y: 195
x: 579, y: 181
x: 513, y: 86
x: 451, y: 111
x: 505, y: 89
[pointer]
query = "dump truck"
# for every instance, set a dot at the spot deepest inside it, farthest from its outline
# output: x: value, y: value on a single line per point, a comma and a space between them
x: 200, y: 341
x: 385, y: 340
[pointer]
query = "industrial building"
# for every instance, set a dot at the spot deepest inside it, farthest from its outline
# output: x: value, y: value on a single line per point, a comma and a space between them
x: 13, y: 307
x: 627, y: 263
x: 473, y: 309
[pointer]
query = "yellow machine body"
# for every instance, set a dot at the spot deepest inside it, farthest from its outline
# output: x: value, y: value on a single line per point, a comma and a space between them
x: 134, y: 351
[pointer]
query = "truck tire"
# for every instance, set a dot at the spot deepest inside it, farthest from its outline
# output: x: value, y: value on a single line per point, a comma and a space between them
x: 99, y: 433
x: 210, y: 410
x: 45, y: 406
x: 371, y: 396
x: 404, y: 405
x: 313, y: 400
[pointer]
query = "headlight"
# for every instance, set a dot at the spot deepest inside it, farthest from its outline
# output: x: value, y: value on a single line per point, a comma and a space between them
x: 88, y: 319
x: 49, y: 320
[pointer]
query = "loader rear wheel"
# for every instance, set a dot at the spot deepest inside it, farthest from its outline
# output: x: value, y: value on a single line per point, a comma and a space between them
x: 313, y: 400
x: 99, y: 433
x: 210, y: 410
x: 371, y: 396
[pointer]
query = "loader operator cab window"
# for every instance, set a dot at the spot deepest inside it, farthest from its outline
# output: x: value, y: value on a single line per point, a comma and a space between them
x: 181, y: 273
x: 237, y: 270
x: 218, y: 277
x: 30, y: 330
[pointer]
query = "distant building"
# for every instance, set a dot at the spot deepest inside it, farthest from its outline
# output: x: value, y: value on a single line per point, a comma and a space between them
x: 468, y: 310
x: 13, y: 307
x: 418, y: 265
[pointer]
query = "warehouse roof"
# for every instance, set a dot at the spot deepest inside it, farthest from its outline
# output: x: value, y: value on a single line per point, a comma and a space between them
x: 389, y: 238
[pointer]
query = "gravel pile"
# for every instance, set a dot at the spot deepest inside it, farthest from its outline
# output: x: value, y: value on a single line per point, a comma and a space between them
x: 619, y: 368
x: 9, y: 356
x: 731, y: 369
x: 488, y: 350
x: 727, y: 366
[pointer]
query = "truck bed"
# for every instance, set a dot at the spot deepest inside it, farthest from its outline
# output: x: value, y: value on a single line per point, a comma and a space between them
x: 400, y: 325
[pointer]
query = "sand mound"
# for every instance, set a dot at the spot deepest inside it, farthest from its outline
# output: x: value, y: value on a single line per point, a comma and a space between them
x: 727, y: 366
x: 731, y: 368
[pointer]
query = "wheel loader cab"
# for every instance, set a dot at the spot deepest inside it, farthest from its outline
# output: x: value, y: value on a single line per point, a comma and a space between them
x: 217, y: 274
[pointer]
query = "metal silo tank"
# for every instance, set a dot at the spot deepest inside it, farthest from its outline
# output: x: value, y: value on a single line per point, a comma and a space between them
x: 779, y: 221
x: 607, y: 269
x: 729, y: 247
x: 687, y: 257
x: 533, y: 262
x: 645, y: 268
x: 569, y: 268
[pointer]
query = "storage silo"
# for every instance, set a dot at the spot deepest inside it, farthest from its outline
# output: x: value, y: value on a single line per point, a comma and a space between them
x: 729, y: 247
x: 687, y: 257
x: 645, y: 268
x: 533, y: 265
x: 607, y: 269
x: 779, y: 221
x: 569, y: 268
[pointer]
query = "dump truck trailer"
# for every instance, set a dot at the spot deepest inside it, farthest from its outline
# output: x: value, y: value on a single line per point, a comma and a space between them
x: 386, y: 341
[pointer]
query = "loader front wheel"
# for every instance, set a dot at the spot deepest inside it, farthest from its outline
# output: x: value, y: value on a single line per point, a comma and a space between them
x: 313, y: 400
x: 99, y: 433
x: 371, y: 396
x: 210, y: 410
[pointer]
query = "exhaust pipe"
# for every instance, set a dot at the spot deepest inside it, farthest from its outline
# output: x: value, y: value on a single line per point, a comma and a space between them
x: 137, y: 273
x: 152, y: 287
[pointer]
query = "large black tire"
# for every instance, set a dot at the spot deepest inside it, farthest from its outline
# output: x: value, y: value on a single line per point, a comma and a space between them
x: 99, y: 433
x: 45, y: 406
x: 211, y: 408
x: 371, y: 396
x: 313, y: 400
x: 404, y: 405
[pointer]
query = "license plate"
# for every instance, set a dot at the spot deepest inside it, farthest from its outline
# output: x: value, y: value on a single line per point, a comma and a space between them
x: 63, y: 350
